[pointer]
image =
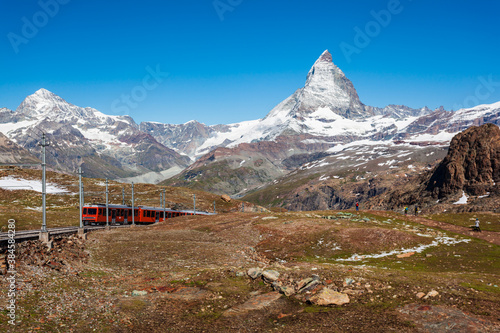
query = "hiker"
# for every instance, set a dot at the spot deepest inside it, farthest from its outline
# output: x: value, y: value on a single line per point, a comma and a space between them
x: 406, y: 210
x: 416, y: 210
x: 476, y: 227
x: 357, y: 206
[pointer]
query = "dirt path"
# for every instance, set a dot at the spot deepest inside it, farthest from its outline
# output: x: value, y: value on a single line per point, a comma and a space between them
x: 489, y: 236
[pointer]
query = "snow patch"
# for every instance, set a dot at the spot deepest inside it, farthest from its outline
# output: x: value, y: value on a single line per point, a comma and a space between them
x: 462, y: 200
x: 12, y: 183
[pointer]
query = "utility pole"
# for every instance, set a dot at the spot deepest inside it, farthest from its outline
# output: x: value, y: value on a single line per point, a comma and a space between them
x: 44, y: 189
x: 242, y: 207
x: 107, y: 204
x: 123, y: 196
x: 133, y: 210
x: 164, y: 199
x: 161, y: 203
x: 214, y: 207
x: 194, y: 204
x: 80, y: 187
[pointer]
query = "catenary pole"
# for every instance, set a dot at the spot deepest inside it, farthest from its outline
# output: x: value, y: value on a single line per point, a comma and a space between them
x: 107, y: 204
x: 133, y: 210
x: 164, y: 199
x: 44, y: 187
x: 80, y: 187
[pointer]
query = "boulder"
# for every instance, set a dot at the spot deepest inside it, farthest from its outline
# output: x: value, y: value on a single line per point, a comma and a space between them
x: 431, y: 293
x: 270, y: 275
x: 472, y: 164
x: 327, y: 296
x: 225, y: 198
x: 254, y: 272
x: 420, y: 295
x: 405, y: 255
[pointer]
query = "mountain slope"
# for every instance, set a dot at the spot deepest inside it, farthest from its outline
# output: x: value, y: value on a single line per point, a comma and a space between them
x: 12, y: 153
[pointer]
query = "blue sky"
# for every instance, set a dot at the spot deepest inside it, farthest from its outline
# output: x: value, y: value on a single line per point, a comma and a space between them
x: 234, y: 60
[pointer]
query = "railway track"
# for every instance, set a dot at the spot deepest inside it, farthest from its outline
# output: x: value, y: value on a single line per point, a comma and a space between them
x: 25, y: 235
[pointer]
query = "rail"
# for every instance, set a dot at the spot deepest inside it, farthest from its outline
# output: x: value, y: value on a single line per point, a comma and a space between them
x: 24, y: 235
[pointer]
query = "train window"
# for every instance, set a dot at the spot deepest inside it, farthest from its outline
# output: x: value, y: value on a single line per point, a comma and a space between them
x: 130, y: 212
x: 149, y: 213
x: 85, y: 211
x: 161, y: 214
x: 92, y: 211
x: 136, y: 212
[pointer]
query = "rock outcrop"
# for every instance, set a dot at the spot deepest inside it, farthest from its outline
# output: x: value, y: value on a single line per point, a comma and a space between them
x: 472, y: 164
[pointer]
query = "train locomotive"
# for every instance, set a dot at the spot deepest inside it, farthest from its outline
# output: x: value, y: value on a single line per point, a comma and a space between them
x: 122, y: 214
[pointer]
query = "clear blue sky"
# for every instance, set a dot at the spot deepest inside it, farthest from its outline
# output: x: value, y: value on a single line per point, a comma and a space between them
x: 236, y: 63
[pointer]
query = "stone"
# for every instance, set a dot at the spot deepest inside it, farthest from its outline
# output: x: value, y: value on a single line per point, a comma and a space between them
x: 139, y: 293
x: 348, y: 282
x: 431, y: 293
x: 287, y: 290
x: 353, y: 292
x: 420, y: 295
x: 254, y: 272
x: 303, y: 283
x: 225, y: 198
x: 276, y: 285
x: 270, y: 275
x: 405, y: 255
x: 310, y: 286
x: 44, y: 236
x: 328, y: 296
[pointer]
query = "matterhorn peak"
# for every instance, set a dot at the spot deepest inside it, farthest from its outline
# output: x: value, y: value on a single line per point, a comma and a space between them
x: 326, y: 56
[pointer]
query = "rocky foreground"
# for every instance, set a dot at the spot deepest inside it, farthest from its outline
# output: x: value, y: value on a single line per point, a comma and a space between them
x: 291, y: 272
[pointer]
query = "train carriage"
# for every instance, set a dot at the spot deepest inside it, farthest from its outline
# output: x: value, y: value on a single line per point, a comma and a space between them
x: 121, y: 214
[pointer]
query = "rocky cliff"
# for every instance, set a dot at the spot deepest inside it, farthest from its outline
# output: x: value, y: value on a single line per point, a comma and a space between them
x: 472, y: 164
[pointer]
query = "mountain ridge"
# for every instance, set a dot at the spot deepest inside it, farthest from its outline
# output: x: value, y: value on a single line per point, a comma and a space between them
x: 324, y: 116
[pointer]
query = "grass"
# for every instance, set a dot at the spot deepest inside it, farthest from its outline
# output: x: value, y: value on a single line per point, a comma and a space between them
x: 488, y: 221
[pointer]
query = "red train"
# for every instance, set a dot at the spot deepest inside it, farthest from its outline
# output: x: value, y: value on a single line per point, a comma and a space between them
x: 120, y: 214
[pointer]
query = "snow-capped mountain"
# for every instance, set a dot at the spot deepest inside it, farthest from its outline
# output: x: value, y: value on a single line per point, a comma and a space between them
x: 327, y: 107
x: 323, y: 117
x: 110, y: 146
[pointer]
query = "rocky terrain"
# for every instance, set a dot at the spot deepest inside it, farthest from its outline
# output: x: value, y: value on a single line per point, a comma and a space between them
x: 434, y: 178
x: 11, y: 153
x: 330, y: 271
